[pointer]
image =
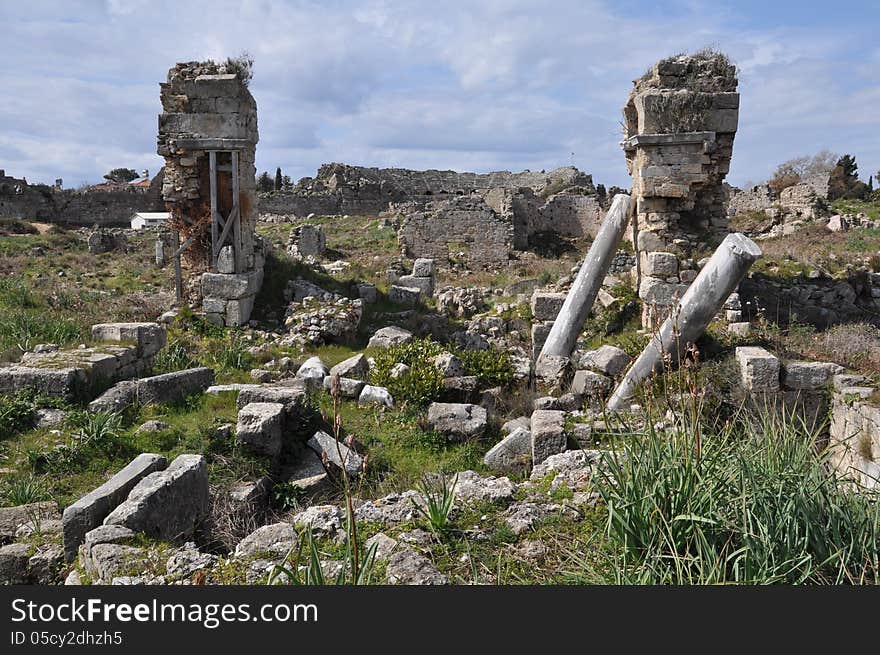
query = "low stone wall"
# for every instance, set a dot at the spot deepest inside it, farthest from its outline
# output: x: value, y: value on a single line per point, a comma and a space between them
x: 126, y: 351
x: 820, y: 302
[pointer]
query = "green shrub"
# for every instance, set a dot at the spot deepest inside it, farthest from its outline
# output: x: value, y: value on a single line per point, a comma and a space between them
x: 439, y: 499
x: 16, y: 414
x: 422, y: 383
x: 493, y: 368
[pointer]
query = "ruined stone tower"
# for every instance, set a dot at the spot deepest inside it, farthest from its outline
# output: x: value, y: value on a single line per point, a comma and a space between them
x: 680, y: 123
x: 208, y: 137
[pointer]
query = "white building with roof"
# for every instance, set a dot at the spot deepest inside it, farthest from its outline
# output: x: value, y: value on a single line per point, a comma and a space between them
x: 146, y: 220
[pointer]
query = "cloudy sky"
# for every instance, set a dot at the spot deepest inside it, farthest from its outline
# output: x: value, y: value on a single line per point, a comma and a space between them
x: 482, y: 85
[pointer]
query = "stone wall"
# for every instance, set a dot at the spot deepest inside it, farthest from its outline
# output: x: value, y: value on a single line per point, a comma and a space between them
x: 340, y: 189
x: 463, y: 228
x: 820, y: 301
x: 208, y: 108
x: 39, y: 202
x: 797, y: 203
x: 680, y: 122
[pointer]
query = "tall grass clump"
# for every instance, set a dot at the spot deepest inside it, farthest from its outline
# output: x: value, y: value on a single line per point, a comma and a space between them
x: 751, y: 502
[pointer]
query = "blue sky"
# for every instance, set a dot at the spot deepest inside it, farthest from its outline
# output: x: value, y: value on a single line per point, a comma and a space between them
x: 483, y: 85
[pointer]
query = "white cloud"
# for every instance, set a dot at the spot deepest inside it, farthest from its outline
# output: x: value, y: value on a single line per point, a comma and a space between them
x: 459, y: 85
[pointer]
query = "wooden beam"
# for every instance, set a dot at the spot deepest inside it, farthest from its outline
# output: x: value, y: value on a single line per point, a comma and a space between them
x: 230, y: 221
x: 212, y: 162
x: 178, y: 274
x: 236, y: 217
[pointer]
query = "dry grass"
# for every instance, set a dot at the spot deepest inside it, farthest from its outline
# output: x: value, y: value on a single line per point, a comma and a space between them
x: 854, y: 345
x: 815, y: 247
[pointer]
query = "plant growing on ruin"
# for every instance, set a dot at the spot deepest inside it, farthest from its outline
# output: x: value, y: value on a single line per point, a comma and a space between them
x: 439, y: 495
x: 493, y: 368
x: 16, y: 414
x: 23, y: 489
x: 357, y: 567
x: 422, y: 383
x: 745, y: 501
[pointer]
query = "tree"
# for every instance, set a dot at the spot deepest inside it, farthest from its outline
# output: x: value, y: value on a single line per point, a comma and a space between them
x: 278, y: 179
x: 264, y: 182
x: 844, y: 180
x: 795, y: 170
x: 122, y: 175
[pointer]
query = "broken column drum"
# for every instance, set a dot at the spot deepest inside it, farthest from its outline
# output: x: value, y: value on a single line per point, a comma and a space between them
x: 564, y: 333
x: 208, y: 136
x: 693, y: 313
x: 680, y: 121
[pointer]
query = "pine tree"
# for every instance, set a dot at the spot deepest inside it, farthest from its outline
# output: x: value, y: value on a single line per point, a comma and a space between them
x: 278, y: 179
x: 264, y: 182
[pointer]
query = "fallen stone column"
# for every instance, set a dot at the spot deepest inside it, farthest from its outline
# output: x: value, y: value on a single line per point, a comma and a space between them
x: 567, y: 326
x: 702, y: 301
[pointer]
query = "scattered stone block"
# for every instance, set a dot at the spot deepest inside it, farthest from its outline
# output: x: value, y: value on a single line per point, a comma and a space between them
x: 356, y: 367
x: 548, y: 434
x: 407, y: 567
x: 457, y: 420
x: 546, y: 305
x: 259, y: 428
x: 348, y: 388
x: 14, y: 564
x: 759, y: 368
x: 406, y: 296
x: 390, y: 336
x: 274, y: 539
x: 88, y: 512
x: 148, y: 337
x: 449, y: 365
x: 810, y: 376
x: 425, y: 285
x: 609, y: 360
x: 312, y: 372
x: 308, y: 473
x: 511, y: 454
x: 590, y: 384
x: 167, y: 504
x: 423, y: 267
x: 339, y: 455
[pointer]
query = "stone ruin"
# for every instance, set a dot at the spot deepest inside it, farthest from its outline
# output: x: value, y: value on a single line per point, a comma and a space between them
x: 208, y: 137
x: 680, y: 122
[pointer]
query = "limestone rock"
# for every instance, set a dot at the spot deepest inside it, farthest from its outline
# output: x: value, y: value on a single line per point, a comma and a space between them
x: 356, y: 367
x: 457, y: 420
x: 548, y: 434
x: 325, y: 446
x: 609, y: 360
x: 407, y: 567
x: 259, y: 428
x: 88, y: 512
x: 273, y: 539
x: 390, y: 336
x: 759, y: 369
x: 167, y: 504
x: 511, y: 454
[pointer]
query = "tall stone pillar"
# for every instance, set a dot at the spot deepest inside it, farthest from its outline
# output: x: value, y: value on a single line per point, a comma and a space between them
x: 208, y: 136
x: 681, y: 119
